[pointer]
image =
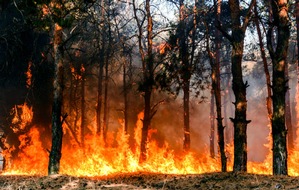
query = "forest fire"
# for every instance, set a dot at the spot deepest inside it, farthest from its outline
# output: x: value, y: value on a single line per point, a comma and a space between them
x: 148, y: 90
x: 116, y: 156
x: 99, y: 158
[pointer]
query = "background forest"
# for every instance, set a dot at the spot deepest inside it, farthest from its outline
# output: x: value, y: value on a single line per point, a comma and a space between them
x: 91, y: 81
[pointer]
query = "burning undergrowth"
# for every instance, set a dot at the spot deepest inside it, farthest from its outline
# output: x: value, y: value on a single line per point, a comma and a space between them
x: 96, y: 157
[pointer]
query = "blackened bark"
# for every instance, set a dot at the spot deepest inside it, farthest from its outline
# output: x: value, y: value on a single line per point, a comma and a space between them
x: 216, y: 86
x: 148, y: 78
x: 102, y: 38
x: 240, y: 121
x: 100, y: 96
x: 212, y: 122
x: 106, y: 99
x: 187, y: 140
x: 279, y: 57
x: 185, y: 73
x: 239, y: 87
x: 55, y: 154
x: 105, y: 118
x: 125, y: 98
x: 83, y: 116
x: 146, y: 124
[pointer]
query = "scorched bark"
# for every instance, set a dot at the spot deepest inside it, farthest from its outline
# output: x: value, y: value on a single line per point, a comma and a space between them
x: 279, y: 57
x: 55, y: 154
x: 239, y: 87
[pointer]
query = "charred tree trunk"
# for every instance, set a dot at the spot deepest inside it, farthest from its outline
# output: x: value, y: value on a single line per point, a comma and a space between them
x: 185, y: 73
x: 279, y: 57
x: 216, y: 86
x: 105, y: 118
x: 212, y: 122
x: 146, y: 125
x: 83, y: 116
x: 100, y: 130
x: 126, y: 101
x: 106, y: 99
x: 186, y: 88
x: 100, y: 97
x: 55, y: 154
x: 239, y: 87
x: 240, y: 122
x: 3, y: 164
x: 148, y: 75
x: 216, y: 93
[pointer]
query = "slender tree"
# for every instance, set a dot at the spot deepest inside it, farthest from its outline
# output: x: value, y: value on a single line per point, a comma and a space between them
x: 185, y: 72
x: 214, y: 57
x: 83, y: 105
x: 278, y: 53
x: 101, y: 47
x: 147, y: 59
x: 212, y: 122
x: 55, y: 154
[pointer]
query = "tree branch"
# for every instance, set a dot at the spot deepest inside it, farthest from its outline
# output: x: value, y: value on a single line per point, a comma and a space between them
x: 248, y: 15
x: 224, y: 33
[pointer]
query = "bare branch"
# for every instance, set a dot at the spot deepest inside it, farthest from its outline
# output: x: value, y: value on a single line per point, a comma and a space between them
x: 224, y: 33
x: 248, y: 15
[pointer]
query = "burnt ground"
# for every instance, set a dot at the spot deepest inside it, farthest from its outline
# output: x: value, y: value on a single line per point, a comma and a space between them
x: 151, y: 181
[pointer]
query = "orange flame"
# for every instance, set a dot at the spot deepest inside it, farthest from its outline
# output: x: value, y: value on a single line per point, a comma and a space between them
x: 29, y: 75
x: 98, y: 158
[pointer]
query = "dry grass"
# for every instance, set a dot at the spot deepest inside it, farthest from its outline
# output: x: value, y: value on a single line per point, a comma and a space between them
x: 151, y: 181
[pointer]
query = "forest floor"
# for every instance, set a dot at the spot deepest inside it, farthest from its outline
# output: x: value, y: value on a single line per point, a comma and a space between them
x: 151, y: 181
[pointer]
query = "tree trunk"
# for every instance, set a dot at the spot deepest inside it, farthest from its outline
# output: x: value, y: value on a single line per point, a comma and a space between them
x: 185, y: 74
x: 105, y: 118
x: 83, y: 116
x: 100, y: 97
x: 240, y: 122
x: 146, y: 125
x: 216, y: 86
x: 212, y: 122
x: 239, y: 87
x: 279, y: 57
x: 100, y: 130
x: 55, y: 154
x: 125, y: 98
x: 186, y: 97
x: 3, y: 164
x: 148, y: 78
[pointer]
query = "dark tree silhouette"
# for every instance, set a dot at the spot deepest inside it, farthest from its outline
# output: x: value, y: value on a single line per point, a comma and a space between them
x: 240, y: 121
x: 278, y: 56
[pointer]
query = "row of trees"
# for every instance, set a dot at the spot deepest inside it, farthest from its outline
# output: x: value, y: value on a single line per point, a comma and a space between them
x: 92, y: 40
